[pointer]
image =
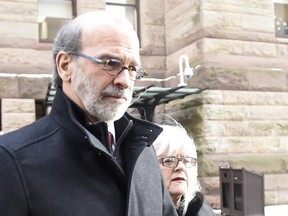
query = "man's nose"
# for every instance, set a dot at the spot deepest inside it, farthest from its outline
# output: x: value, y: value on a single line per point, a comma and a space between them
x: 123, y: 80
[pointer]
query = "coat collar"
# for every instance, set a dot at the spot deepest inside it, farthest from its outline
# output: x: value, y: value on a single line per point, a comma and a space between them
x: 71, y: 117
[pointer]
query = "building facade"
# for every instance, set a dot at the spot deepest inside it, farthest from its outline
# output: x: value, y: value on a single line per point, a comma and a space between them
x: 240, y: 48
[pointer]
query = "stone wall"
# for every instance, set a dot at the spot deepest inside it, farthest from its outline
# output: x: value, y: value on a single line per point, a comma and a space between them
x: 240, y: 120
x: 239, y: 129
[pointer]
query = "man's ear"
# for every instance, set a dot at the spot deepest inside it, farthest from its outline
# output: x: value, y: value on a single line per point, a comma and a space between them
x: 64, y: 70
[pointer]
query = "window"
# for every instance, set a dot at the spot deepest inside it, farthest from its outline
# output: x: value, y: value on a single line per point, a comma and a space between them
x: 128, y: 8
x: 281, y: 18
x: 52, y: 14
x: 40, y: 109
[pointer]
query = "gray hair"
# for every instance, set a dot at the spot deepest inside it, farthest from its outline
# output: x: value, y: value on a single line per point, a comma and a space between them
x: 68, y: 39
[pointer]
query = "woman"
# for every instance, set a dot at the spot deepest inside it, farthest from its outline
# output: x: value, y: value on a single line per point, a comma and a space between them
x: 177, y: 155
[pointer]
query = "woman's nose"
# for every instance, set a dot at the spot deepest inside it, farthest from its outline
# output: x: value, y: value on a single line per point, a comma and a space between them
x: 180, y: 166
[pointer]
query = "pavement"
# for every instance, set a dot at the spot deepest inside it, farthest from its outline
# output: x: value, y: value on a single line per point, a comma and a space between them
x: 276, y: 210
x: 273, y: 210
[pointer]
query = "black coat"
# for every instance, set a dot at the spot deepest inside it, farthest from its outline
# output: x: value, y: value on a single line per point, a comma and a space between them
x: 56, y: 167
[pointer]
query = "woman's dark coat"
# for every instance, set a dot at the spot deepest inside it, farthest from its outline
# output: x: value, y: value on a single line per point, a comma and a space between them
x: 56, y: 167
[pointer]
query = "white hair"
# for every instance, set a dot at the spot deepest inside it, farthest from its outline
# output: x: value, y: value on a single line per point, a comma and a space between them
x: 171, y: 141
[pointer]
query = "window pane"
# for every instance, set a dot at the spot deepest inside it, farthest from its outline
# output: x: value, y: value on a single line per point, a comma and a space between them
x: 51, y: 16
x: 281, y: 20
x: 121, y: 1
x: 128, y: 11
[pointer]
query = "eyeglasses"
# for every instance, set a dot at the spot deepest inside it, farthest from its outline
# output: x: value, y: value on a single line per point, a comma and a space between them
x: 172, y: 162
x: 114, y: 66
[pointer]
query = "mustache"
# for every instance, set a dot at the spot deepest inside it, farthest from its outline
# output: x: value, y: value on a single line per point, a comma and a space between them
x: 116, y: 92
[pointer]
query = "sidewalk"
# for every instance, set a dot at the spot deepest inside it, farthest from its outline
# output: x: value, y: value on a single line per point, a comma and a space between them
x: 275, y: 210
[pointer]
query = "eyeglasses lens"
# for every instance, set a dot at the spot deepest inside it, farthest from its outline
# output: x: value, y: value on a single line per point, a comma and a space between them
x: 173, y: 161
x: 169, y: 162
x: 113, y: 66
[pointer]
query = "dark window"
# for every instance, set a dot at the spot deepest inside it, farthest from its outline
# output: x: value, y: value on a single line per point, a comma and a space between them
x: 226, y: 195
x: 281, y: 19
x: 238, y: 202
x: 40, y: 109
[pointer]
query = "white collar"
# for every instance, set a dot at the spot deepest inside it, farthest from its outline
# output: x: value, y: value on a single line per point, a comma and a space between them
x: 111, y: 129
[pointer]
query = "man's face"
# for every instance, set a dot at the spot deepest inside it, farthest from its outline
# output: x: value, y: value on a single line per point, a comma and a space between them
x: 103, y: 96
x: 104, y: 102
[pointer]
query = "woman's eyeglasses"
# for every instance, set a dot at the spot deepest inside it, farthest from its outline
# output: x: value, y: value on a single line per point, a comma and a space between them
x: 115, y: 66
x: 172, y: 162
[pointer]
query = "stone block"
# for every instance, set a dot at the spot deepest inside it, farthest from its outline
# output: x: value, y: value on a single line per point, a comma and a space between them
x: 240, y: 144
x: 181, y: 29
x: 264, y: 7
x: 210, y: 185
x: 16, y: 120
x: 153, y: 36
x: 227, y: 78
x: 18, y: 106
x: 23, y: 11
x: 268, y: 80
x: 276, y: 181
x: 17, y: 113
x: 283, y: 196
x: 271, y: 198
x: 245, y: 48
x: 268, y: 113
x: 282, y: 50
x: 276, y: 197
x: 9, y: 29
x: 240, y: 78
x: 238, y: 21
x: 256, y: 162
x: 35, y: 88
x: 8, y: 86
x: 153, y: 11
x: 231, y: 97
x: 154, y: 63
x: 23, y: 61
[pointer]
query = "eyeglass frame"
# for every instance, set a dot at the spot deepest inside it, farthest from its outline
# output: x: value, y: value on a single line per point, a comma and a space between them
x: 178, y: 160
x: 105, y: 62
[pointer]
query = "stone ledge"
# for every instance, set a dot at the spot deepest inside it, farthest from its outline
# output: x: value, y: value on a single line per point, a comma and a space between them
x: 266, y: 163
x: 242, y: 144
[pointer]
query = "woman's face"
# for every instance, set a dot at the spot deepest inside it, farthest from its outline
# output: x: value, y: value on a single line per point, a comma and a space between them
x: 180, y: 178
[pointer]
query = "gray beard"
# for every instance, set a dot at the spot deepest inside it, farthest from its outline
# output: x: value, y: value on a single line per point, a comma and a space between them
x: 96, y: 102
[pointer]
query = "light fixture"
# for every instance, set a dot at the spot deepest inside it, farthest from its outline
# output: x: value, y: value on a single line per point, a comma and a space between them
x: 186, y: 72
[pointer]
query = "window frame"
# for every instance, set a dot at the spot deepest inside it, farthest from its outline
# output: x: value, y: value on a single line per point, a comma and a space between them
x: 284, y: 3
x: 74, y: 14
x: 137, y: 8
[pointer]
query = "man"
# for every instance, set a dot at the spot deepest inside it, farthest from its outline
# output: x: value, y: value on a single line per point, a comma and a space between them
x: 65, y: 164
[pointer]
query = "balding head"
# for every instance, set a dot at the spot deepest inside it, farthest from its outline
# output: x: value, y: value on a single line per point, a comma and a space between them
x: 99, y: 19
x: 89, y: 28
x: 83, y: 48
